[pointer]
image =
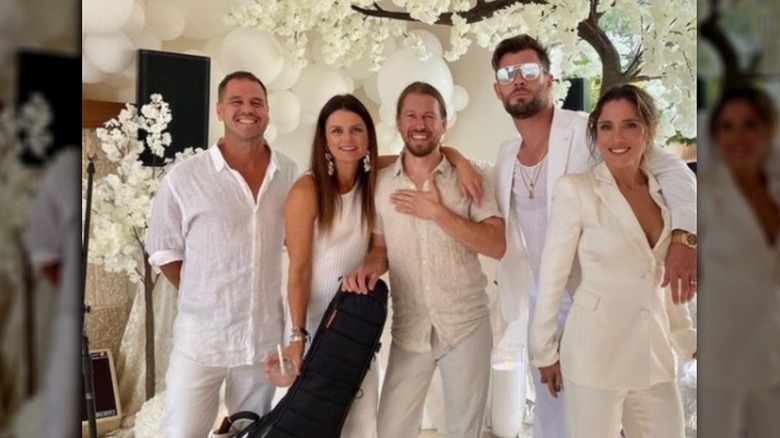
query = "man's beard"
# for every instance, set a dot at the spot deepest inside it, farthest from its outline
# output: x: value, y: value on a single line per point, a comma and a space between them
x: 424, y: 151
x: 524, y: 110
x: 421, y: 151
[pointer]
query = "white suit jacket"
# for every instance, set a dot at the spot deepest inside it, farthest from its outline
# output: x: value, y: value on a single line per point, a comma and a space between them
x: 622, y: 326
x: 568, y: 153
x: 739, y: 284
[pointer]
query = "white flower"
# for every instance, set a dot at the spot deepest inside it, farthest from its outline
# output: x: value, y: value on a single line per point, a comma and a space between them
x: 666, y: 32
x: 122, y: 199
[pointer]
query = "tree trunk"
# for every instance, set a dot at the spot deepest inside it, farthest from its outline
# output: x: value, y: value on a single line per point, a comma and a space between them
x: 149, y: 327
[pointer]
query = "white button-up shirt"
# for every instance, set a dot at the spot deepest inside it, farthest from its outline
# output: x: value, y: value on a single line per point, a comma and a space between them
x: 230, y: 310
x: 436, y: 281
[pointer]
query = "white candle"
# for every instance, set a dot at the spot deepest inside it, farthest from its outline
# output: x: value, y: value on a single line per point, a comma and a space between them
x: 507, y: 404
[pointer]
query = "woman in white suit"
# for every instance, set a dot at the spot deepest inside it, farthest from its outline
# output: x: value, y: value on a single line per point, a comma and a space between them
x: 616, y: 363
x: 739, y: 379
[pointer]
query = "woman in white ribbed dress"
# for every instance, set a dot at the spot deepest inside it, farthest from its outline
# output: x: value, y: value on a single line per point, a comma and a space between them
x: 329, y: 215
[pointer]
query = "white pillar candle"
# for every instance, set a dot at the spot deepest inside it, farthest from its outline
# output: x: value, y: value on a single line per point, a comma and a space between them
x: 507, y: 399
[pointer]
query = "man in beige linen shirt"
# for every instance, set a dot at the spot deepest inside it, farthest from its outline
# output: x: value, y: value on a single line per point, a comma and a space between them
x: 431, y: 236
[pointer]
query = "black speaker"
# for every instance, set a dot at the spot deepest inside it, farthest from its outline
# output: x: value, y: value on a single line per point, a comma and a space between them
x: 108, y: 409
x: 577, y: 98
x: 57, y: 77
x: 183, y: 82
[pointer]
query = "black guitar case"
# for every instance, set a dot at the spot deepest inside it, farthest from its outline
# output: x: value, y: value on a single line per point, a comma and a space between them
x: 317, y: 403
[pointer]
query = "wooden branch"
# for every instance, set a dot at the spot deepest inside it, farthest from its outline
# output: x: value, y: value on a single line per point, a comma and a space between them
x: 589, y: 30
x: 482, y: 10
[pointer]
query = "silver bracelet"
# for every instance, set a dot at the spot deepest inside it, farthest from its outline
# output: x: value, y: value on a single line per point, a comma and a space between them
x: 298, y: 337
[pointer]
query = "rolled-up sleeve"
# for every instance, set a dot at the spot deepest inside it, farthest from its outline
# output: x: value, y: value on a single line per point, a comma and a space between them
x: 165, y: 238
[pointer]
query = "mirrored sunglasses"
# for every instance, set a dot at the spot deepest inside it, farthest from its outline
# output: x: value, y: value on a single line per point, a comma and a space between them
x: 529, y: 71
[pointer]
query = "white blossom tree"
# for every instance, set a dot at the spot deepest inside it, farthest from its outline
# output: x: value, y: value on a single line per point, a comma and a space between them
x: 122, y: 203
x: 657, y: 44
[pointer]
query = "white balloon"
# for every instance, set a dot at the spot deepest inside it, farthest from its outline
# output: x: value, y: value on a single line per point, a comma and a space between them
x: 132, y: 71
x: 307, y: 119
x: 254, y: 51
x: 348, y: 80
x: 430, y: 41
x: 164, y: 19
x: 370, y: 87
x: 452, y: 117
x: 104, y: 17
x: 270, y: 133
x: 137, y: 21
x: 389, y: 140
x: 287, y: 77
x: 110, y: 53
x: 317, y: 84
x: 403, y: 67
x: 145, y: 40
x: 89, y: 73
x: 204, y: 19
x: 387, y: 114
x: 460, y: 98
x: 285, y: 110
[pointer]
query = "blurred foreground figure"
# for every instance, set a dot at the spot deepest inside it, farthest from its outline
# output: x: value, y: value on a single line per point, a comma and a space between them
x: 54, y: 246
x: 739, y: 304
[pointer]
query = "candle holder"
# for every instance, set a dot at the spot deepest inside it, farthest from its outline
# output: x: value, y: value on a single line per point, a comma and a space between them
x: 508, y: 390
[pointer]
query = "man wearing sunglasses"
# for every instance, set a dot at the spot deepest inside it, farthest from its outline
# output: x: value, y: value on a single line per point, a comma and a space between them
x: 551, y: 142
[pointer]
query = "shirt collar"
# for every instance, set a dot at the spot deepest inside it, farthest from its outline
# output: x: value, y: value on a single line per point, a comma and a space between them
x: 219, y: 160
x: 444, y: 167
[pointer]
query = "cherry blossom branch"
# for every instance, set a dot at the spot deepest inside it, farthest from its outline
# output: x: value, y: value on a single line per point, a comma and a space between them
x: 482, y: 10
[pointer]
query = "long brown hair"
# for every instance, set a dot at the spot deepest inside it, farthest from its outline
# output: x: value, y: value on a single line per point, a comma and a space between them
x: 328, y: 199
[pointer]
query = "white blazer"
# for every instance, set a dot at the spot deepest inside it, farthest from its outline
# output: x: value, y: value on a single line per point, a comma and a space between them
x: 569, y: 153
x: 622, y: 325
x: 739, y: 284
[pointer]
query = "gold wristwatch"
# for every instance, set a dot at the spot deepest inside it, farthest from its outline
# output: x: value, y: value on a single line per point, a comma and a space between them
x: 686, y: 238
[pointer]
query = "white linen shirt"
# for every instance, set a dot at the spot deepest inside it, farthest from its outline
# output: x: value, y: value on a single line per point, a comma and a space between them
x: 230, y: 309
x: 435, y: 281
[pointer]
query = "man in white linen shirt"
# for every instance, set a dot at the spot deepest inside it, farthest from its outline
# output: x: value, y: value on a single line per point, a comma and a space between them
x: 551, y: 142
x: 431, y: 237
x: 216, y: 232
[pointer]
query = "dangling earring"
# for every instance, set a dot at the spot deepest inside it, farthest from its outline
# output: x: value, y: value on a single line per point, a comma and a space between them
x: 331, y: 167
x: 367, y: 162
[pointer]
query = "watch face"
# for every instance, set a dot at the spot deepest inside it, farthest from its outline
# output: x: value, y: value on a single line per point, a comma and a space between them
x: 691, y: 238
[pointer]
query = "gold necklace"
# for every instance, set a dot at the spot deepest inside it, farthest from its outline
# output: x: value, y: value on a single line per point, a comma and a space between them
x: 529, y: 181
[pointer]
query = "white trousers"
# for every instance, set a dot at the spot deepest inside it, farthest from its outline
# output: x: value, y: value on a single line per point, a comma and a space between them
x: 597, y: 413
x: 727, y: 412
x: 192, y: 395
x: 549, y: 420
x: 465, y: 373
x: 361, y: 420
